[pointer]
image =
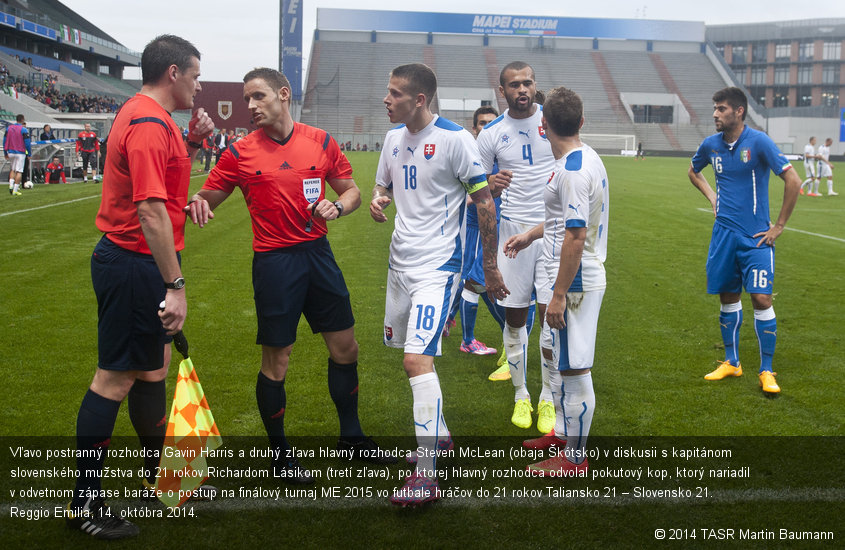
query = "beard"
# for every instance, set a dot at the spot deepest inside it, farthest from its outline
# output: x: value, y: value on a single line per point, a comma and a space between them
x: 514, y: 106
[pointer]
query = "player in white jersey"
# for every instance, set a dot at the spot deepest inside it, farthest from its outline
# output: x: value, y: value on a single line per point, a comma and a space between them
x: 427, y: 167
x: 810, y: 169
x: 574, y: 239
x: 517, y: 143
x: 825, y: 166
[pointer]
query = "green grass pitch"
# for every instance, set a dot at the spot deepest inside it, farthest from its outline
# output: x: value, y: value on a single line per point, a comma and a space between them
x: 658, y: 335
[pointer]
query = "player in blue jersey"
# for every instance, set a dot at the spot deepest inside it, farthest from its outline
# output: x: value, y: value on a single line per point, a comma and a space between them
x: 742, y: 252
x: 473, y: 271
x: 427, y: 167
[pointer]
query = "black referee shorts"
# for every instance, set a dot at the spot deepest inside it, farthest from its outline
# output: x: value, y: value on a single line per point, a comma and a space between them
x: 303, y: 278
x: 129, y: 289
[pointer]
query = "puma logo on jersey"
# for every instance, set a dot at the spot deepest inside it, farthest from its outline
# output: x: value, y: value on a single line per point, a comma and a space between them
x: 575, y: 208
x: 526, y: 134
x: 412, y: 150
x: 420, y: 337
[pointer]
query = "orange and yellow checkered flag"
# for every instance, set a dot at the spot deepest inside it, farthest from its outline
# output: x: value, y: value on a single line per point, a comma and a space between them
x: 190, y: 430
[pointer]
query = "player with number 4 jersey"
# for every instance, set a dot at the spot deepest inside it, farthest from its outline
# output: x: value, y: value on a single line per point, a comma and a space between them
x: 517, y: 143
x: 742, y: 252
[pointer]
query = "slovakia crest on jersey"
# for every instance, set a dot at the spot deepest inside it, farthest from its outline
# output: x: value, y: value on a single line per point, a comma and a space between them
x: 428, y: 151
x: 388, y: 333
x: 311, y: 188
x: 541, y: 131
x: 745, y: 155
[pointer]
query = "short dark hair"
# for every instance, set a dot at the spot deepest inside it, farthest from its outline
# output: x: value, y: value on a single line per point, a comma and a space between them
x: 272, y: 77
x: 539, y: 97
x: 421, y: 79
x: 734, y: 97
x: 516, y: 66
x: 563, y: 111
x: 164, y: 51
x: 20, y: 118
x: 483, y: 110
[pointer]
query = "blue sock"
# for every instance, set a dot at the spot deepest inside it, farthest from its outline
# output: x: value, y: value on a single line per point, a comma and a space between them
x: 730, y: 319
x: 94, y: 426
x: 456, y: 302
x: 497, y: 311
x: 343, y: 388
x: 529, y: 322
x: 147, y: 405
x: 469, y: 312
x: 272, y: 399
x: 766, y: 327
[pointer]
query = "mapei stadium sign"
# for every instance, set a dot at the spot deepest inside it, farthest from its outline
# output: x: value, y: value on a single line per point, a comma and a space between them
x: 507, y: 24
x: 469, y: 23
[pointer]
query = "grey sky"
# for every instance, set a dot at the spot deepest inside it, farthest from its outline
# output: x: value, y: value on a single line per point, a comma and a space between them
x: 234, y: 38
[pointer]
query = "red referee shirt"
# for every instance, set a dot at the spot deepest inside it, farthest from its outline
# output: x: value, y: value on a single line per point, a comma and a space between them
x: 279, y: 181
x: 147, y: 159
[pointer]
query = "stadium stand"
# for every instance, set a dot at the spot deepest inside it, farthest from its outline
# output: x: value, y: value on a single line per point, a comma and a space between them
x: 339, y: 99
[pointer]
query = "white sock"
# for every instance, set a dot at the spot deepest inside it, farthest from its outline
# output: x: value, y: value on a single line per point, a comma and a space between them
x: 11, y: 184
x: 469, y: 296
x: 516, y: 342
x: 579, y: 402
x: 428, y: 419
x: 548, y: 366
x: 557, y: 398
x: 816, y: 186
x: 829, y: 187
x: 16, y: 188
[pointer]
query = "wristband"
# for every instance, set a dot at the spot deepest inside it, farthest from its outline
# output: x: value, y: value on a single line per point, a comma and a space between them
x: 194, y: 144
x: 339, y: 206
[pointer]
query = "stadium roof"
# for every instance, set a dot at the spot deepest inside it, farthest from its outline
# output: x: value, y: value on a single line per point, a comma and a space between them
x: 53, y: 13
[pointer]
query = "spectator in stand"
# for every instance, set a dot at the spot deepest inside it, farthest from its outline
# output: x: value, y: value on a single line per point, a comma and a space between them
x: 55, y: 171
x: 47, y: 133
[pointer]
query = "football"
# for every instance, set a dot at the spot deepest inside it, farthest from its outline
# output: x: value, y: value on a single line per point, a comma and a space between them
x: 27, y: 185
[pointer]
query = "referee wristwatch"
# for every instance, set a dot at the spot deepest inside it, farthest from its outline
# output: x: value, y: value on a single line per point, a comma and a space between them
x: 339, y: 206
x: 178, y: 282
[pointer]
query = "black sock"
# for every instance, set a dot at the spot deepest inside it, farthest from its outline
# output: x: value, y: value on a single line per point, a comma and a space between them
x: 343, y: 387
x: 148, y: 413
x: 272, y: 400
x: 94, y: 426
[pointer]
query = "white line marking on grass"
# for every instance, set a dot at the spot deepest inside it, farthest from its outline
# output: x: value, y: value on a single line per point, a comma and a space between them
x: 837, y: 239
x: 48, y: 206
x: 67, y: 202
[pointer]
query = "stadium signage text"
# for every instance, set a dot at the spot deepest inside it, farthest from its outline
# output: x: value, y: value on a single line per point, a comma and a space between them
x: 496, y: 24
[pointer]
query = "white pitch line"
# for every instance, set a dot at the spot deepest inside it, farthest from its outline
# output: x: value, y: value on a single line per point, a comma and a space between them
x: 837, y: 239
x: 48, y: 206
x: 64, y: 202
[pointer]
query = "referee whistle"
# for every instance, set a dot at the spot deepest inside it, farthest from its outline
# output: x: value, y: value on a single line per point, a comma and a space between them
x: 310, y: 223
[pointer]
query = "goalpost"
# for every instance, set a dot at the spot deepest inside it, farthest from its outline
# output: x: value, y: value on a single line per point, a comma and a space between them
x: 614, y: 144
